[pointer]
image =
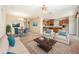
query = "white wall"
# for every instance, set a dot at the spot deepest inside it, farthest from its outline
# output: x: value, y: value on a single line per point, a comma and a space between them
x: 72, y: 25
x: 2, y: 20
x: 77, y: 26
x: 37, y: 28
x: 41, y: 25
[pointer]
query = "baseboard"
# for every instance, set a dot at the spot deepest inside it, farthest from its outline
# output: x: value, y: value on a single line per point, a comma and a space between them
x: 74, y: 37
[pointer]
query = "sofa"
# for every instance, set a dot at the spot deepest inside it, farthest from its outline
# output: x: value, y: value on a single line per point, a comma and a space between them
x: 56, y: 36
x: 48, y: 34
x: 62, y: 38
x: 17, y: 49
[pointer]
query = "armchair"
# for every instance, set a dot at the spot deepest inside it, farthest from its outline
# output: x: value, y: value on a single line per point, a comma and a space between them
x: 62, y: 38
x: 48, y: 34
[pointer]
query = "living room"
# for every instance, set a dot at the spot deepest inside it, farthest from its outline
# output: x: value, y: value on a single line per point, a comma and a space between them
x: 29, y: 26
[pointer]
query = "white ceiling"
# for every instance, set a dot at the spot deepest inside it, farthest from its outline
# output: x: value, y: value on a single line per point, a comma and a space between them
x: 54, y: 11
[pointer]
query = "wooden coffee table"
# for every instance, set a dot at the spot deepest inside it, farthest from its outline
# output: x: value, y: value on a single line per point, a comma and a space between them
x: 45, y: 44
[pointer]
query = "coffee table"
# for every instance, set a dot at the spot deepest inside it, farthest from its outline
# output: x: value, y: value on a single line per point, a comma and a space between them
x: 45, y: 44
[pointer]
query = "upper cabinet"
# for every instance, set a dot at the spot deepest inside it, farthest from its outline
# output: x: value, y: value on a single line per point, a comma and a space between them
x: 49, y: 22
x: 64, y: 21
x: 58, y: 22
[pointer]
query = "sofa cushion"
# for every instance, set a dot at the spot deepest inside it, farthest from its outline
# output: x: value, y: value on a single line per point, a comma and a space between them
x: 62, y: 37
x: 11, y: 40
x: 4, y: 44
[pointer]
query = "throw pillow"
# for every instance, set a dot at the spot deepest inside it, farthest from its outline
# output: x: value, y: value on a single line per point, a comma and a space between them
x: 62, y: 33
x: 48, y: 31
x: 11, y: 40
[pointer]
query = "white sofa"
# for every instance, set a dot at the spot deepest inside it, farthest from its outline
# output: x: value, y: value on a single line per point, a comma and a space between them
x: 61, y: 38
x: 57, y: 37
x: 17, y: 49
x: 49, y: 35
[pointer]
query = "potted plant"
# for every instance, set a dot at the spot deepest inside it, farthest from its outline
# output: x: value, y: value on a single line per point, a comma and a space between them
x: 8, y: 29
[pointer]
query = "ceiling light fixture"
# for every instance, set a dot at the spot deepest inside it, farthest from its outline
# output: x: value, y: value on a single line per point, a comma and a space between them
x: 44, y: 9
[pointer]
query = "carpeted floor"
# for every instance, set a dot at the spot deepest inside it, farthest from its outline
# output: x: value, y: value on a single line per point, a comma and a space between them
x: 58, y: 48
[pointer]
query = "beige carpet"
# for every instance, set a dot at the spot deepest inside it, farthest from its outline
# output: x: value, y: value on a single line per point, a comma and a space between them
x: 58, y: 48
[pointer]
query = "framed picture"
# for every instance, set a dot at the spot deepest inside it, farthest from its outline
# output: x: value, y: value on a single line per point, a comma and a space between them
x: 35, y: 24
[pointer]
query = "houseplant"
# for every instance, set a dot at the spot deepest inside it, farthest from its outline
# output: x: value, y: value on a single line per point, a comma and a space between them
x: 8, y: 29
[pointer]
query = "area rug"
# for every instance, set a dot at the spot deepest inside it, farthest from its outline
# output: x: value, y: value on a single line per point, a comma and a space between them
x: 58, y: 48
